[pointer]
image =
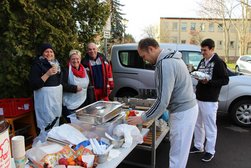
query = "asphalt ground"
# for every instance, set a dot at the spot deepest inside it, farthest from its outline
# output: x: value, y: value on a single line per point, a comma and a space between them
x: 233, y: 150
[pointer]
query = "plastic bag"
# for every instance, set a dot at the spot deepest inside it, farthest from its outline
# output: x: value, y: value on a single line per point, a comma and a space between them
x: 130, y: 132
x: 200, y: 75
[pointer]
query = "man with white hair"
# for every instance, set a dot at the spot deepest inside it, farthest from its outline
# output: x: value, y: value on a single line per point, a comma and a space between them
x: 100, y: 72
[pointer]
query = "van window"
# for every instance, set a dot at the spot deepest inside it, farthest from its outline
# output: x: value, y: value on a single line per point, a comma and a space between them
x: 191, y: 57
x: 132, y: 59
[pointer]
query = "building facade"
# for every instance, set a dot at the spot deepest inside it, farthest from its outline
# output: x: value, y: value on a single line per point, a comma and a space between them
x: 194, y: 30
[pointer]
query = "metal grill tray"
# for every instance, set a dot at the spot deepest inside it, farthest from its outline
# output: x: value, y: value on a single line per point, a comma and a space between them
x: 99, y: 112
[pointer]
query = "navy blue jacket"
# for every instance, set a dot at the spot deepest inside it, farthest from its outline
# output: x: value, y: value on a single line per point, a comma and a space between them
x: 211, y: 90
x: 38, y: 69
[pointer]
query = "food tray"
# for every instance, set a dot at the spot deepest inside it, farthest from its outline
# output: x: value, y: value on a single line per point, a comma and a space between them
x: 94, y: 131
x: 99, y: 112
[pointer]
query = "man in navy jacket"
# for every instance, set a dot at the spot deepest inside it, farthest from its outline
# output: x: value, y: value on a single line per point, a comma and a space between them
x: 207, y: 94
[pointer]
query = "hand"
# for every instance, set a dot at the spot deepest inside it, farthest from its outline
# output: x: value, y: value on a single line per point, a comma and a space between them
x: 79, y: 88
x: 134, y: 120
x: 52, y: 71
x: 204, y: 81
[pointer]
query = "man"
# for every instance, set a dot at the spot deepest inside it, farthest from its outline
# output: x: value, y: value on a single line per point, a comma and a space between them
x: 175, y: 92
x: 207, y: 93
x: 100, y: 72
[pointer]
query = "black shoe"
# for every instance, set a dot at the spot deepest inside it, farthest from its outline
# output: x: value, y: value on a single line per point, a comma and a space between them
x: 207, y: 157
x: 195, y: 150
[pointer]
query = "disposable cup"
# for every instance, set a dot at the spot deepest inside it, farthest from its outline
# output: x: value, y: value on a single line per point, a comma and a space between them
x: 18, y: 150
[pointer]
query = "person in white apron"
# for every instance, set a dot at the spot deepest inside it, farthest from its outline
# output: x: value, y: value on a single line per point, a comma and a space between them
x: 75, y: 84
x: 45, y: 80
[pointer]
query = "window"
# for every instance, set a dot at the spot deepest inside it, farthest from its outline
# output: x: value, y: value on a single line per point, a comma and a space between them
x: 191, y: 57
x: 183, y: 41
x: 166, y: 26
x: 248, y: 59
x: 174, y: 39
x: 220, y: 27
x: 183, y: 26
x: 202, y: 27
x: 193, y: 26
x: 249, y: 44
x: 211, y: 27
x: 232, y: 29
x: 245, y: 58
x: 219, y: 44
x: 232, y: 44
x: 175, y: 26
x: 133, y: 60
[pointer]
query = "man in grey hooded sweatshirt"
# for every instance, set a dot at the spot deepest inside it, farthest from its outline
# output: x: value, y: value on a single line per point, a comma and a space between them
x: 175, y: 93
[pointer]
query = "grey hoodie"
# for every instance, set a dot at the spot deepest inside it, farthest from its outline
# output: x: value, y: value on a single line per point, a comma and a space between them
x: 173, y: 84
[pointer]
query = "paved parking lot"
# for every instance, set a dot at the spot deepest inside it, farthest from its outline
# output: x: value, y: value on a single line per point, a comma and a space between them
x: 233, y: 149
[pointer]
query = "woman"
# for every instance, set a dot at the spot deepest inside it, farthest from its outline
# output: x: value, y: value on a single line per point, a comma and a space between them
x: 75, y: 84
x: 45, y: 80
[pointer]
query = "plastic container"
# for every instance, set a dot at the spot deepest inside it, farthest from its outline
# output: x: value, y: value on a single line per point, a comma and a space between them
x: 102, y: 157
x: 13, y: 107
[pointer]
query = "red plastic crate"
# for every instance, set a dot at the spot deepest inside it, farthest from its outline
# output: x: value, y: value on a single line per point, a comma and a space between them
x: 13, y: 107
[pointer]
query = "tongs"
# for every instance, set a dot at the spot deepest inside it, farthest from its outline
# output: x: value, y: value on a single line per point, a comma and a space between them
x: 58, y: 141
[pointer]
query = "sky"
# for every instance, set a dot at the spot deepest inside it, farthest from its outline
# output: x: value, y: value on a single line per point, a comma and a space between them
x: 143, y: 13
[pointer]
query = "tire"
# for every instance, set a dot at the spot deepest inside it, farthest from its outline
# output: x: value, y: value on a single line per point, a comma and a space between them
x: 237, y: 69
x: 241, y: 113
x: 127, y: 93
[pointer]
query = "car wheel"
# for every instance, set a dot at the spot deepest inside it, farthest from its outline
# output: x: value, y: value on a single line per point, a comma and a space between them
x: 241, y: 113
x: 237, y: 69
x: 127, y: 93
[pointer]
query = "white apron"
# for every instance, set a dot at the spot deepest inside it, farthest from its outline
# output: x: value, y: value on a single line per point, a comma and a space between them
x: 48, y: 105
x: 74, y: 100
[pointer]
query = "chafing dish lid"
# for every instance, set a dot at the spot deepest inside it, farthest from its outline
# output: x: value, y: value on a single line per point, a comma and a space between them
x: 98, y: 109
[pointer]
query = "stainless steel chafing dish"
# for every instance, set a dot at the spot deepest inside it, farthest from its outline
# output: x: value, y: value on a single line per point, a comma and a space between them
x: 99, y: 112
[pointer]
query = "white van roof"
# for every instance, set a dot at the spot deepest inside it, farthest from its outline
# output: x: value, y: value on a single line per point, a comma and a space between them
x: 173, y: 46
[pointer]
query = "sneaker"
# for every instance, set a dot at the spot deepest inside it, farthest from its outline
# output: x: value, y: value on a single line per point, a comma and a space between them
x: 207, y: 157
x: 195, y: 150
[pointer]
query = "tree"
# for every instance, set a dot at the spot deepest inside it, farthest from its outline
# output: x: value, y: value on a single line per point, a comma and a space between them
x: 24, y: 25
x: 129, y: 38
x: 117, y: 27
x: 90, y: 16
x: 242, y: 26
x: 232, y: 13
x: 196, y: 38
x: 151, y: 31
x: 218, y: 12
